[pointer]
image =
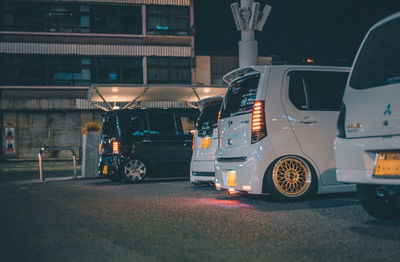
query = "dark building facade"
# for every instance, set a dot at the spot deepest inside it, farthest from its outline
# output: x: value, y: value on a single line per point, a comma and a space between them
x: 52, y: 51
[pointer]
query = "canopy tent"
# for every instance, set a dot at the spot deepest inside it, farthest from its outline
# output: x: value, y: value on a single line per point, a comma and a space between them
x: 134, y: 94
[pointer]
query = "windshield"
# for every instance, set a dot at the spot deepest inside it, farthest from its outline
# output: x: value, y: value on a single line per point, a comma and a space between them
x: 378, y: 61
x: 209, y: 117
x: 240, y: 96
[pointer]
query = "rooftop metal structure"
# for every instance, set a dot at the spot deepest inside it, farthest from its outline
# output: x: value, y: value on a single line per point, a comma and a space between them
x: 248, y: 18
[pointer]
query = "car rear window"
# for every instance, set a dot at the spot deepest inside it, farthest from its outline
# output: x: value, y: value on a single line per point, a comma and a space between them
x: 109, y: 127
x: 378, y: 61
x: 240, y: 96
x: 208, y: 117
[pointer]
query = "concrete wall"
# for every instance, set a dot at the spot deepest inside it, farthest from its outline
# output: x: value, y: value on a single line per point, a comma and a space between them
x: 35, y: 129
x: 203, y: 69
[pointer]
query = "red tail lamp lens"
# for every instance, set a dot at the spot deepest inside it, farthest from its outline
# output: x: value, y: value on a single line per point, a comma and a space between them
x: 115, y: 147
x: 258, y: 130
x: 194, y: 139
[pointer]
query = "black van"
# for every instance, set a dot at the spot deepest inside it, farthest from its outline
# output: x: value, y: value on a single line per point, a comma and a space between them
x: 146, y: 143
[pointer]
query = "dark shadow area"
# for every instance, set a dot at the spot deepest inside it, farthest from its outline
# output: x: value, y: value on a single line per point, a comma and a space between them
x: 379, y: 229
x: 108, y: 182
x: 23, y: 175
x: 265, y: 203
x: 201, y: 186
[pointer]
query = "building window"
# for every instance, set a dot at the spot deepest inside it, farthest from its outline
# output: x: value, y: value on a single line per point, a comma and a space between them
x: 69, y: 70
x: 168, y: 20
x: 119, y: 70
x: 72, y: 71
x: 22, y: 17
x: 68, y: 18
x: 116, y: 19
x: 163, y: 70
x: 72, y: 18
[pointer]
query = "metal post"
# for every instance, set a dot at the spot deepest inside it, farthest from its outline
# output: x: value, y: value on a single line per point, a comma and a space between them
x: 247, y: 19
x: 56, y: 148
x: 74, y: 163
x: 40, y: 166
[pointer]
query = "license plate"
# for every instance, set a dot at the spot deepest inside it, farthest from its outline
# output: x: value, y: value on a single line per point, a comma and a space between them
x: 387, y: 164
x: 231, y: 178
x: 105, y: 170
x: 205, y: 142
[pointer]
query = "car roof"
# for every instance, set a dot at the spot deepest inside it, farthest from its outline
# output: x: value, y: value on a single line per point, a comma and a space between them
x: 122, y: 111
x: 229, y: 77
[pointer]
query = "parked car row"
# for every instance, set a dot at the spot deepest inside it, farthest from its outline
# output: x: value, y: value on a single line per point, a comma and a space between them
x: 286, y: 130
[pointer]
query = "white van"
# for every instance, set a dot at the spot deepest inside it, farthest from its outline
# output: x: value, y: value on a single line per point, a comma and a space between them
x: 276, y: 131
x: 205, y: 141
x: 367, y: 149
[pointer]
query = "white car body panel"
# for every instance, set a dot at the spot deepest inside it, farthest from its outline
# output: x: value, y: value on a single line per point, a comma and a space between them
x: 372, y: 125
x: 203, y: 158
x: 285, y: 136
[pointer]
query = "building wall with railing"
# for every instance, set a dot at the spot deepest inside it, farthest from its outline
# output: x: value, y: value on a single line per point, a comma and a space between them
x: 52, y: 51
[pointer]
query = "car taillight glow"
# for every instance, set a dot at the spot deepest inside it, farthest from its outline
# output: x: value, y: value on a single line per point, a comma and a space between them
x: 194, y: 139
x: 232, y: 191
x: 115, y: 147
x: 258, y: 130
x: 246, y: 188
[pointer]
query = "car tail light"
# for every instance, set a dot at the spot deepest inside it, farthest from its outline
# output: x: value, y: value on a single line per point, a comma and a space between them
x: 100, y: 147
x: 194, y: 139
x: 115, y: 147
x: 258, y: 130
x: 219, y: 116
x: 341, y: 121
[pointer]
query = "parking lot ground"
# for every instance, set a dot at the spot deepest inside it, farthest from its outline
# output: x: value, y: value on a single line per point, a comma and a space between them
x: 62, y: 219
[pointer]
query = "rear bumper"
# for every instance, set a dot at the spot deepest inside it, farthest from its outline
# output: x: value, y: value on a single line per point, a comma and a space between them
x: 202, y: 171
x: 355, y: 159
x: 249, y: 172
x: 113, y: 163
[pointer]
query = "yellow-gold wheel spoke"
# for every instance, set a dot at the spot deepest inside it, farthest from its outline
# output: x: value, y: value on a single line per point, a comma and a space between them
x: 291, y: 176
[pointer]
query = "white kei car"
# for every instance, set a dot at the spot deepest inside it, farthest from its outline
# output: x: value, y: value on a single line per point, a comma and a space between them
x: 276, y: 131
x: 205, y: 141
x: 367, y: 149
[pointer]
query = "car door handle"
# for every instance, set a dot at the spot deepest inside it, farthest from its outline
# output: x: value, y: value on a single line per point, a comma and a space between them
x: 308, y: 120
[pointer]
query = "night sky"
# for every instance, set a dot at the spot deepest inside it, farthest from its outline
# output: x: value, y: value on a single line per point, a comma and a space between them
x: 330, y: 31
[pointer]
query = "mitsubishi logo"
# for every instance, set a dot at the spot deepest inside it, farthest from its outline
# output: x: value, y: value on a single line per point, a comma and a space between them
x: 387, y: 111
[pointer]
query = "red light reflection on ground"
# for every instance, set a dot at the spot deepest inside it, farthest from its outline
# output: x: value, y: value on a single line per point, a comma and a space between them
x: 232, y: 203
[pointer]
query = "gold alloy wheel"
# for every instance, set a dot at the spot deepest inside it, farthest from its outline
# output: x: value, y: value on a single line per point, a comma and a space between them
x: 291, y: 176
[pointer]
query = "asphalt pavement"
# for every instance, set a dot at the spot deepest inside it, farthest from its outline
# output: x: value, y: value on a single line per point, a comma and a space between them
x: 62, y: 219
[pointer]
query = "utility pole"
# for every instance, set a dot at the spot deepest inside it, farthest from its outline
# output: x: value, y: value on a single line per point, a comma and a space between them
x: 248, y: 18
